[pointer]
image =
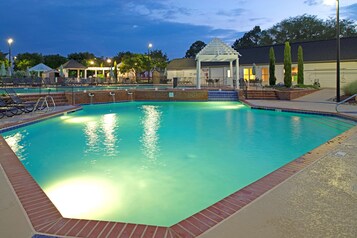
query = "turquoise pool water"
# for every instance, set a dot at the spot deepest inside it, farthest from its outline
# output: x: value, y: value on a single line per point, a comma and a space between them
x: 160, y: 162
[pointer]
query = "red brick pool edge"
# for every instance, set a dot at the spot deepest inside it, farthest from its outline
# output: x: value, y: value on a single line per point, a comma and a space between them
x: 46, y: 219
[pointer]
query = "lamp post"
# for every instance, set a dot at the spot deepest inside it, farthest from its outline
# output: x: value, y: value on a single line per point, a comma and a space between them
x: 10, y: 41
x: 149, y: 69
x: 338, y: 97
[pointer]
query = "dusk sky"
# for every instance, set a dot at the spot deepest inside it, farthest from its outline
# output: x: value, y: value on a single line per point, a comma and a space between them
x: 106, y: 27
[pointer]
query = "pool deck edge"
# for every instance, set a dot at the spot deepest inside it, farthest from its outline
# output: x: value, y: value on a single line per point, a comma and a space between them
x: 45, y: 219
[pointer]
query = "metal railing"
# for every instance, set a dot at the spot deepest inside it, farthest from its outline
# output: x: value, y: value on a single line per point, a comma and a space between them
x: 42, y: 105
x: 342, y: 102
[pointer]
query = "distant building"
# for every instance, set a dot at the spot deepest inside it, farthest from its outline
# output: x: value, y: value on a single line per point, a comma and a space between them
x: 319, y: 64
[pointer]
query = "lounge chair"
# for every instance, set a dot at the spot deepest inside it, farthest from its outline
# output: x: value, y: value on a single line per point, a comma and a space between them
x: 8, y: 110
x: 17, y: 102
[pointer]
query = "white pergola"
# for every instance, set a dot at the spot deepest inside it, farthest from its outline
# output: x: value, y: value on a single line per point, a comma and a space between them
x: 217, y: 51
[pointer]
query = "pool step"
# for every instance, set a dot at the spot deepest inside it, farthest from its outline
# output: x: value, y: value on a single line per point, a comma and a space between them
x: 59, y: 98
x: 222, y: 96
x: 261, y: 94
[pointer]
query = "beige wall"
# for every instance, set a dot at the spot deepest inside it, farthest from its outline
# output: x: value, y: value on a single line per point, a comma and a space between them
x: 325, y: 73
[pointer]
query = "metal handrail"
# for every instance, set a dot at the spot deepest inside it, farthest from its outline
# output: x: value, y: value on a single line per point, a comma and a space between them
x: 44, y: 106
x: 338, y: 104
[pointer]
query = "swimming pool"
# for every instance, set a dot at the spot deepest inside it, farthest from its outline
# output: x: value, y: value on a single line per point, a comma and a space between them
x: 158, y: 163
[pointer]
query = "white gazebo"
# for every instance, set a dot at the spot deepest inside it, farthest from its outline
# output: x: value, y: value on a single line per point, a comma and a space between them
x: 217, y: 51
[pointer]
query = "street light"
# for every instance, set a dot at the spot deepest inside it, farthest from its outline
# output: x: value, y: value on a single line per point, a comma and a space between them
x: 10, y: 41
x: 338, y: 98
x: 149, y: 47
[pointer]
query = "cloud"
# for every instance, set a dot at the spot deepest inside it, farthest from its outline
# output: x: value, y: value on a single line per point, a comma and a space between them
x: 350, y: 11
x: 231, y: 13
x: 312, y: 2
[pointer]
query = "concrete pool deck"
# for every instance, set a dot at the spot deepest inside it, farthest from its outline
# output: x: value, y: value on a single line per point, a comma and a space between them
x: 318, y: 201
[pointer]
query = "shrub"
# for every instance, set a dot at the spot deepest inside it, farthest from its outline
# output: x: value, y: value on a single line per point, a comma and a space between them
x: 287, y: 65
x: 350, y: 89
x: 300, y: 66
x: 272, y: 78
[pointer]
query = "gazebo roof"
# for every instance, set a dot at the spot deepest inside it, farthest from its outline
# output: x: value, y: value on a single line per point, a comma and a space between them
x: 40, y: 68
x: 217, y: 50
x: 72, y: 64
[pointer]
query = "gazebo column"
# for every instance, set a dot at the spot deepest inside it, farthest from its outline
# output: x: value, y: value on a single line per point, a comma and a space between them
x: 85, y: 73
x: 198, y: 79
x: 237, y: 72
x: 231, y: 70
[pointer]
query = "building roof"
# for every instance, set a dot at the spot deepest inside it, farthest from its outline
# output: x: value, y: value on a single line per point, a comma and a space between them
x: 39, y: 68
x: 217, y: 51
x: 182, y: 63
x: 313, y: 51
x: 72, y: 64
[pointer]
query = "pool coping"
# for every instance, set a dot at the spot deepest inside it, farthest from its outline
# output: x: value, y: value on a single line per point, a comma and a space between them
x: 46, y: 219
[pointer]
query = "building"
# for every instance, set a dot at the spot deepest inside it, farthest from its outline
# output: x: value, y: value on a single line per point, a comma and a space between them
x: 216, y: 64
x: 319, y: 64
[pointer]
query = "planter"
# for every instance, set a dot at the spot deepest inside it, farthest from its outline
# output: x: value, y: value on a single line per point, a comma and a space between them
x: 293, y: 93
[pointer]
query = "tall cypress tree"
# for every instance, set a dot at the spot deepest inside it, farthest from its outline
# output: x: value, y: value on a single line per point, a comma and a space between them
x: 300, y: 66
x: 287, y: 65
x: 272, y: 79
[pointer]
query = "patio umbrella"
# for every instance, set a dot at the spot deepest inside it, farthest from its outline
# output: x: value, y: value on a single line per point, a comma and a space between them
x: 254, y: 70
x: 2, y: 70
x: 61, y: 71
x: 111, y: 73
x: 9, y: 71
x: 28, y: 74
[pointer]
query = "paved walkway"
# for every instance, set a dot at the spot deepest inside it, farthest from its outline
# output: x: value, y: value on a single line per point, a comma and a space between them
x: 318, y: 101
x: 320, y: 201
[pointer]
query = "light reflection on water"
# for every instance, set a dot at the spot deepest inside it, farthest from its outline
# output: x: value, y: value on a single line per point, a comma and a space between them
x: 14, y: 141
x: 150, y: 137
x: 101, y: 135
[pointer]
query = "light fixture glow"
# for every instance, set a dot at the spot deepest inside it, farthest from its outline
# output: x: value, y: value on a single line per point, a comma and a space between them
x: 84, y: 197
x: 75, y: 120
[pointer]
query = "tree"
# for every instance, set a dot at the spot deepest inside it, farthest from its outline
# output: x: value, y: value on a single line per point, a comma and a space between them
x: 136, y: 63
x: 3, y: 58
x: 194, y: 49
x: 250, y: 39
x: 115, y: 71
x: 300, y: 79
x: 120, y: 55
x: 272, y: 78
x: 54, y: 61
x: 82, y: 57
x: 287, y: 65
x: 158, y: 60
x: 296, y: 29
x: 27, y: 60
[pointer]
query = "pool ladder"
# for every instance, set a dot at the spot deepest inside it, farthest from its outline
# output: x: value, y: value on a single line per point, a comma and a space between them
x: 342, y: 102
x: 129, y: 94
x: 42, y: 105
x: 113, y: 95
x: 91, y: 95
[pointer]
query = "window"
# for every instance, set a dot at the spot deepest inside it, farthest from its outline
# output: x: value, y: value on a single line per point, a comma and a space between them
x: 248, y: 74
x: 265, y: 74
x: 294, y: 73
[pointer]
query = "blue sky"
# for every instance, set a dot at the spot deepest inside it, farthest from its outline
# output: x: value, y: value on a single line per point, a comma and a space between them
x: 106, y: 27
